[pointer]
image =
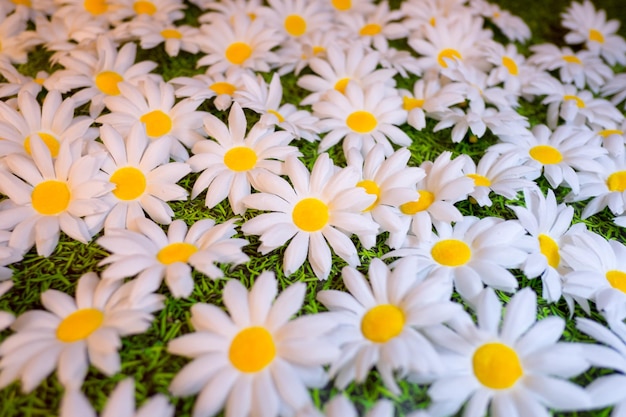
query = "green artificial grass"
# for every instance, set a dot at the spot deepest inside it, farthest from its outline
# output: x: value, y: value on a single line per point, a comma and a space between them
x: 145, y: 357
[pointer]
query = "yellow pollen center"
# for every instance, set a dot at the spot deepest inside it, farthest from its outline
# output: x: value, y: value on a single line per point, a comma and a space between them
x: 449, y: 54
x: 240, y: 159
x: 107, y: 82
x: 371, y: 188
x: 362, y: 121
x: 617, y: 181
x: 410, y: 103
x: 238, y: 52
x: 617, y: 279
x: 130, y: 183
x: 496, y: 366
x: 480, y: 180
x: 546, y: 154
x: 414, y: 207
x: 50, y: 197
x: 371, y: 29
x: 51, y: 142
x: 510, y: 65
x: 144, y: 7
x: 608, y: 132
x: 550, y: 249
x: 342, y: 5
x: 432, y: 21
x: 382, y: 323
x: 79, y: 325
x: 596, y: 36
x: 451, y: 252
x: 252, y: 349
x: 342, y: 84
x: 278, y: 115
x: 26, y: 3
x: 222, y: 87
x: 95, y: 7
x: 579, y: 102
x: 318, y: 50
x: 176, y: 252
x: 295, y: 25
x: 157, y: 123
x: 572, y: 59
x: 171, y: 34
x: 39, y: 81
x: 310, y: 214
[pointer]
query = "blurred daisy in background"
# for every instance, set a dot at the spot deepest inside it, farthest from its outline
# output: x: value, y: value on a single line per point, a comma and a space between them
x: 511, y: 26
x: 254, y: 357
x: 229, y: 164
x: 616, y: 87
x: 15, y: 82
x: 378, y: 25
x: 227, y: 9
x: 380, y: 323
x: 62, y: 35
x: 320, y: 208
x: 166, y: 11
x: 297, y: 55
x: 351, y: 6
x: 73, y: 333
x: 219, y: 87
x: 174, y: 38
x: 149, y: 254
x: 509, y: 67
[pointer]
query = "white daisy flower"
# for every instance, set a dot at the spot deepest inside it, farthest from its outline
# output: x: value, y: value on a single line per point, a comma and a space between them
x: 509, y: 68
x: 403, y: 62
x: 219, y: 87
x: 227, y: 9
x: 341, y: 406
x: 49, y: 196
x: 590, y: 27
x: 99, y: 11
x: 443, y: 186
x: 514, y: 28
x: 420, y: 13
x: 515, y: 366
x: 322, y: 208
x: 142, y: 177
x: 296, y: 18
x: 472, y: 253
x: 230, y: 163
x: 244, y: 43
x: 16, y: 40
x: 153, y: 104
x: 120, y: 403
x: 380, y: 24
x: 350, y: 6
x: 616, y: 87
x: 613, y: 140
x: 362, y: 117
x: 73, y: 333
x: 173, y: 37
x: 381, y: 322
x: 253, y: 359
x: 165, y: 11
x: 17, y: 82
x: 151, y: 255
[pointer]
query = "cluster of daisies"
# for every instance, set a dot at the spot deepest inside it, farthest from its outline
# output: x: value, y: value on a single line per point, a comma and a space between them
x: 97, y: 149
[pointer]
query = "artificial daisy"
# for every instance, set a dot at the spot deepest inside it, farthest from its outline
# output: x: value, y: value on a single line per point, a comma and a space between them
x: 253, y: 359
x: 227, y: 9
x: 381, y: 24
x: 297, y: 18
x: 381, y: 322
x: 49, y: 196
x: 16, y: 40
x: 341, y: 406
x: 99, y: 11
x: 149, y: 254
x: 420, y: 13
x: 219, y: 87
x: 17, y: 82
x: 471, y: 253
x: 173, y: 37
x: 511, y: 26
x: 229, y: 163
x: 321, y: 208
x: 613, y: 140
x: 120, y: 403
x: 165, y: 11
x: 513, y: 366
x: 73, y: 333
x: 509, y: 68
x: 362, y: 117
x: 142, y: 178
x: 153, y: 104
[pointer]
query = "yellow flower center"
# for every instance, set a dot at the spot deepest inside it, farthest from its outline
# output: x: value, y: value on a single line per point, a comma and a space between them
x: 608, y: 132
x: 50, y: 141
x: 449, y: 54
x: 144, y: 7
x: 318, y: 50
x: 252, y: 349
x: 107, y: 82
x: 310, y: 214
x: 572, y: 59
x: 26, y: 3
x: 617, y: 279
x: 617, y: 181
x: 278, y: 115
x: 157, y: 123
x: 240, y: 158
x: 342, y: 84
x: 550, y: 249
x: 433, y: 21
x: 496, y: 366
x: 410, y: 103
x: 295, y: 25
x: 371, y: 29
x: 371, y: 188
x: 382, y: 323
x: 510, y: 65
x: 362, y: 121
x: 546, y: 154
x: 222, y: 87
x: 130, y: 183
x: 596, y: 36
x: 480, y: 180
x: 95, y: 7
x: 413, y: 207
x: 176, y: 252
x: 50, y: 197
x: 342, y: 5
x: 171, y: 34
x: 39, y: 81
x: 579, y: 102
x: 451, y: 252
x: 79, y: 325
x: 238, y: 52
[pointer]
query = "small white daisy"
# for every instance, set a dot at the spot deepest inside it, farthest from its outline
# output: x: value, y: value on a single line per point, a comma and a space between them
x: 296, y: 18
x: 380, y: 24
x: 173, y: 37
x: 219, y: 87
